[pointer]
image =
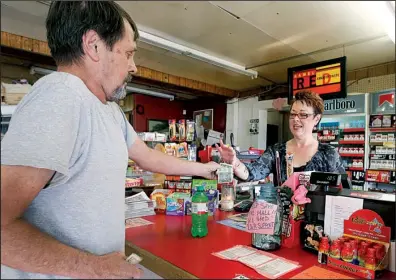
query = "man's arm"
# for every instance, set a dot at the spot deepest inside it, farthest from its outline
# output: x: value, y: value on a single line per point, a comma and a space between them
x: 26, y: 248
x: 155, y: 161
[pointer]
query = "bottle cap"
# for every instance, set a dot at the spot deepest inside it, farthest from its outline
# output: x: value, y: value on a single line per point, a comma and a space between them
x: 200, y: 188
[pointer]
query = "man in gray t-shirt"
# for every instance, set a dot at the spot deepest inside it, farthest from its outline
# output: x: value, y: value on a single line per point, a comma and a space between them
x: 64, y: 157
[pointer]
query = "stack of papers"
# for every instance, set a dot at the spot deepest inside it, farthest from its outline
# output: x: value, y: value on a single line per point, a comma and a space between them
x: 138, y: 205
x: 266, y: 264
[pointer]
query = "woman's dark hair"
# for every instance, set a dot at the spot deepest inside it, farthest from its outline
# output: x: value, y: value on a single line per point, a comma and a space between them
x: 311, y: 99
x: 68, y: 21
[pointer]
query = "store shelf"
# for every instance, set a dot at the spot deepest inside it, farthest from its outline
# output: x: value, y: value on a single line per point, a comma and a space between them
x: 383, y: 129
x: 357, y: 142
x: 355, y: 168
x: 388, y: 144
x: 382, y: 169
x: 348, y: 130
x: 352, y: 155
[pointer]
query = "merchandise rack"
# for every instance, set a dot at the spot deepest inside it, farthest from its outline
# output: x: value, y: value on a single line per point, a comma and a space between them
x: 350, y: 143
x: 381, y: 171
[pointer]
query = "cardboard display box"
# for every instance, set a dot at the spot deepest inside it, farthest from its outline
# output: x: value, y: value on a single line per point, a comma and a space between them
x: 365, y: 225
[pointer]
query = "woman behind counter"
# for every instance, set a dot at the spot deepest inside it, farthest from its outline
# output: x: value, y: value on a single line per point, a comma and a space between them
x: 308, y: 154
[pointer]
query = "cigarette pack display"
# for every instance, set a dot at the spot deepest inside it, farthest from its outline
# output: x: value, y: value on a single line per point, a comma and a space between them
x: 386, y: 121
x: 376, y: 121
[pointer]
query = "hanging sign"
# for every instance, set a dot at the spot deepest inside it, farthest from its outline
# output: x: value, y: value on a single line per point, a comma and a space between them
x: 326, y: 78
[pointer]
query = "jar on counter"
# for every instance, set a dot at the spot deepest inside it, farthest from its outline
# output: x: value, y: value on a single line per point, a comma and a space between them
x: 227, y: 197
x: 269, y: 242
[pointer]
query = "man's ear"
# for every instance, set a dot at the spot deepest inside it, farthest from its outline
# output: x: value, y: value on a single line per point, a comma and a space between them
x: 91, y: 45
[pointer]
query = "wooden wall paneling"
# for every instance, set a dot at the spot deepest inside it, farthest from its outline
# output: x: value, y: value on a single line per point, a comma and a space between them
x: 41, y: 47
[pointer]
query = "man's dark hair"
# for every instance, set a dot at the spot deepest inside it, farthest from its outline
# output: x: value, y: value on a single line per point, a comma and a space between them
x: 68, y: 21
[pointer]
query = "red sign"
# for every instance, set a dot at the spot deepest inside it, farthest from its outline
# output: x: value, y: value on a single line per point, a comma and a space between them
x: 378, y: 176
x: 386, y: 97
x: 326, y: 78
x: 367, y: 224
x: 322, y: 80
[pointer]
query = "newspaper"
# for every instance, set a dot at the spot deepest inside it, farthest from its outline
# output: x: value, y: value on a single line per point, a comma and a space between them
x: 139, y: 205
x: 142, y: 196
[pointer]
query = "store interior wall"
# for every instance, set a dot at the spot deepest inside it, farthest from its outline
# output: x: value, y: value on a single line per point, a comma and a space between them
x: 219, y: 111
x: 163, y: 109
x: 11, y: 72
x: 154, y: 107
x: 246, y: 109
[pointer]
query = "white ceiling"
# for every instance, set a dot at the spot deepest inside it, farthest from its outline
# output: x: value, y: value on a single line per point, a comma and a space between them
x: 258, y: 32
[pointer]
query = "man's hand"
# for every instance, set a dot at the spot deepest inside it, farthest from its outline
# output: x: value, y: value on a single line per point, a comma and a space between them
x: 115, y: 266
x: 227, y: 154
x: 208, y: 170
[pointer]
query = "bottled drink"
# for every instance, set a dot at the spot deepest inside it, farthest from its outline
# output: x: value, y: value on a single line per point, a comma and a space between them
x: 323, y: 250
x: 199, y: 213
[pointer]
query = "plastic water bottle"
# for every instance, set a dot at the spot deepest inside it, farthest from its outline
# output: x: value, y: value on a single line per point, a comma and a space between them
x: 199, y: 213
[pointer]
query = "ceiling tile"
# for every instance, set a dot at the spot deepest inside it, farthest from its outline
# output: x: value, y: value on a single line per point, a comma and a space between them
x: 362, y: 55
x: 317, y: 25
x: 278, y: 71
x: 240, y: 8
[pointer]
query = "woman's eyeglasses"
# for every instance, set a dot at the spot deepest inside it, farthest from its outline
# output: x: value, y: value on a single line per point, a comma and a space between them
x: 301, y: 116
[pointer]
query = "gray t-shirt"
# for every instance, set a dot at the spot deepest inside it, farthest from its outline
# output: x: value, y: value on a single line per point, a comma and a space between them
x: 60, y: 125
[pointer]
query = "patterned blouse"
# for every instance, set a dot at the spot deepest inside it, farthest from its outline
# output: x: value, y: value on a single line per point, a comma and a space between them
x: 326, y: 159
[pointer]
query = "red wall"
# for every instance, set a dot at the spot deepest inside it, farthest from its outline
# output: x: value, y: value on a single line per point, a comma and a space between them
x: 163, y: 109
x: 155, y: 108
x: 219, y: 112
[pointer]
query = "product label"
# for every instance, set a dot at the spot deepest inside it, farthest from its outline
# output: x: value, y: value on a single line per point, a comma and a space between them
x: 199, y: 208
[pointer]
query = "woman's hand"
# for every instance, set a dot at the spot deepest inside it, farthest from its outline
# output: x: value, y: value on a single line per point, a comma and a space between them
x: 227, y: 154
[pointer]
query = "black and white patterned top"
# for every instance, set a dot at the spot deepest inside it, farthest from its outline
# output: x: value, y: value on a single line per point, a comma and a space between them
x: 326, y: 159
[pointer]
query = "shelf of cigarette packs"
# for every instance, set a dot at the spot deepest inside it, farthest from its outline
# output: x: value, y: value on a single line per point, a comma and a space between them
x: 381, y: 173
x: 348, y: 139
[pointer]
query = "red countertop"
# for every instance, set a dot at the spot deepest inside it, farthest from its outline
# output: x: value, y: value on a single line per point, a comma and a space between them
x: 170, y: 239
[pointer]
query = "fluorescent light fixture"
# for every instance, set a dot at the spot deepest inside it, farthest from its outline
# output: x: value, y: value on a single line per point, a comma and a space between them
x: 384, y: 11
x: 177, y: 48
x: 180, y: 49
x: 39, y: 70
x: 150, y: 92
x: 43, y: 71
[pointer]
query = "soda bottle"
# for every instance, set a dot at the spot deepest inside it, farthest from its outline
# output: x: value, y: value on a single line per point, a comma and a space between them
x: 199, y: 213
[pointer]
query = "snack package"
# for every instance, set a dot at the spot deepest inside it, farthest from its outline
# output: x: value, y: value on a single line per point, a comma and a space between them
x: 172, y: 130
x: 175, y: 203
x: 182, y: 130
x: 159, y: 198
x: 181, y: 150
x: 192, y: 152
x: 190, y: 130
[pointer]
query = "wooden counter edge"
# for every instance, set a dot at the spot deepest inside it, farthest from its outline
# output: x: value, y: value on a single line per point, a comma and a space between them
x: 157, y: 265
